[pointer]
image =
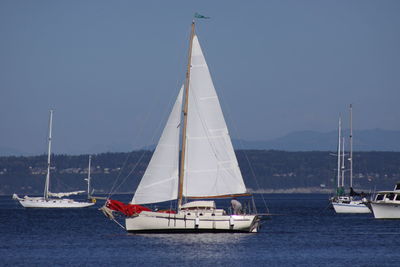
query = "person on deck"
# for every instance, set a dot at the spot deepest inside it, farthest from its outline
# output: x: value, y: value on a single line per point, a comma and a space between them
x: 236, y: 206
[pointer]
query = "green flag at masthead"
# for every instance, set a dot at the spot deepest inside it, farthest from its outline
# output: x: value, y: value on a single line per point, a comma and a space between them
x: 198, y: 16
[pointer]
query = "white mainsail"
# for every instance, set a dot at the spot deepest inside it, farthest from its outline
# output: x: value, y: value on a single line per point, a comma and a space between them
x: 160, y: 181
x: 211, y: 167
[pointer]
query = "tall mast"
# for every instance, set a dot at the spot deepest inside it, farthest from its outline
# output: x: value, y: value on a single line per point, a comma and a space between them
x: 88, y: 179
x: 185, y: 110
x: 351, y: 146
x: 46, y: 186
x: 338, y: 152
x: 343, y: 161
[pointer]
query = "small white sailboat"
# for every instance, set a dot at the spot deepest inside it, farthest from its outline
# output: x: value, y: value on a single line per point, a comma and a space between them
x: 49, y: 199
x: 208, y: 166
x: 386, y: 204
x: 343, y: 203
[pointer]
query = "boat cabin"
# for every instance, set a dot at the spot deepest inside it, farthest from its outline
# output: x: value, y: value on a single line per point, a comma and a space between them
x: 342, y: 199
x: 387, y: 197
x: 201, y: 208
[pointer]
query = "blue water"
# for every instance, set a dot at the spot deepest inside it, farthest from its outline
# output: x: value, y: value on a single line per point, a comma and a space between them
x: 303, y: 232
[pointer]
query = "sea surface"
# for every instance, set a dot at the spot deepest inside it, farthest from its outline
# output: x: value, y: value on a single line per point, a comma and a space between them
x: 303, y: 231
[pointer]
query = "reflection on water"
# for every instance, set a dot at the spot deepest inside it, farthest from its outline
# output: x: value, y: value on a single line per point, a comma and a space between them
x: 200, y: 238
x: 204, y: 249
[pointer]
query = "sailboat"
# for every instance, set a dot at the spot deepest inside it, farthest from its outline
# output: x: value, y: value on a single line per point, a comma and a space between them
x: 353, y: 202
x: 204, y: 167
x: 49, y: 199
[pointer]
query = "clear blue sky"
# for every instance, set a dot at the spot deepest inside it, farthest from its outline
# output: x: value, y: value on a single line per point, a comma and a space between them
x: 111, y: 69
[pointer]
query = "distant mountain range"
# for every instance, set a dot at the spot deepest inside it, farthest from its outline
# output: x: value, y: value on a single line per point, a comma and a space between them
x: 364, y: 140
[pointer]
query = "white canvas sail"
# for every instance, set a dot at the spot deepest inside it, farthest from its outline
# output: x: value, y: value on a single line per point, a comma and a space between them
x: 160, y: 181
x: 65, y: 194
x: 211, y: 167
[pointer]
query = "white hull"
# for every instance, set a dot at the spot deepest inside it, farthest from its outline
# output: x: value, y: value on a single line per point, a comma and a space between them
x: 40, y: 202
x: 352, y: 207
x: 161, y: 222
x: 386, y: 210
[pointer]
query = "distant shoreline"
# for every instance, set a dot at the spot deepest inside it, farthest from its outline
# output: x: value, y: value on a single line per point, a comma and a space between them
x: 303, y: 190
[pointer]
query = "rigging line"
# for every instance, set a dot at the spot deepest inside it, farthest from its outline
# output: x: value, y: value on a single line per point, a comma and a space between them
x: 255, y: 178
x: 115, y: 187
x: 131, y: 171
x: 139, y: 160
x: 119, y: 174
x: 244, y: 151
x: 139, y: 133
x: 118, y: 223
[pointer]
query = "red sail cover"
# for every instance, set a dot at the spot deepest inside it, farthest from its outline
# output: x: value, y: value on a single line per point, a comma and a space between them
x: 127, y: 209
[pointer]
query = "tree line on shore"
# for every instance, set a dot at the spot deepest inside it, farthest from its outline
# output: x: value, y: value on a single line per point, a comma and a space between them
x: 262, y: 170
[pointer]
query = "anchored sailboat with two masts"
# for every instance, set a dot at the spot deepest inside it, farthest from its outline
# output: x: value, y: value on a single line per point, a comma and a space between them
x: 49, y: 199
x: 342, y: 202
x: 206, y: 168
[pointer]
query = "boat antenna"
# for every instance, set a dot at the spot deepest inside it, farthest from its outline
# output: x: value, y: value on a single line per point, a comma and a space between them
x: 185, y: 110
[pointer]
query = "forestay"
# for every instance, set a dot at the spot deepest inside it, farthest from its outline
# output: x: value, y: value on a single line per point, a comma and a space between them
x: 211, y: 167
x: 160, y: 181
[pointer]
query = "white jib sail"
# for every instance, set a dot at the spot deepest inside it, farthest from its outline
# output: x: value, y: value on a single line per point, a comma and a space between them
x: 160, y: 181
x: 211, y: 167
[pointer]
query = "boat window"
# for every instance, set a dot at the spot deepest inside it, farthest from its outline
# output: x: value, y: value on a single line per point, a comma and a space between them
x: 397, y: 187
x: 201, y: 214
x: 379, y: 197
x: 397, y: 197
x: 390, y: 196
x: 188, y: 213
